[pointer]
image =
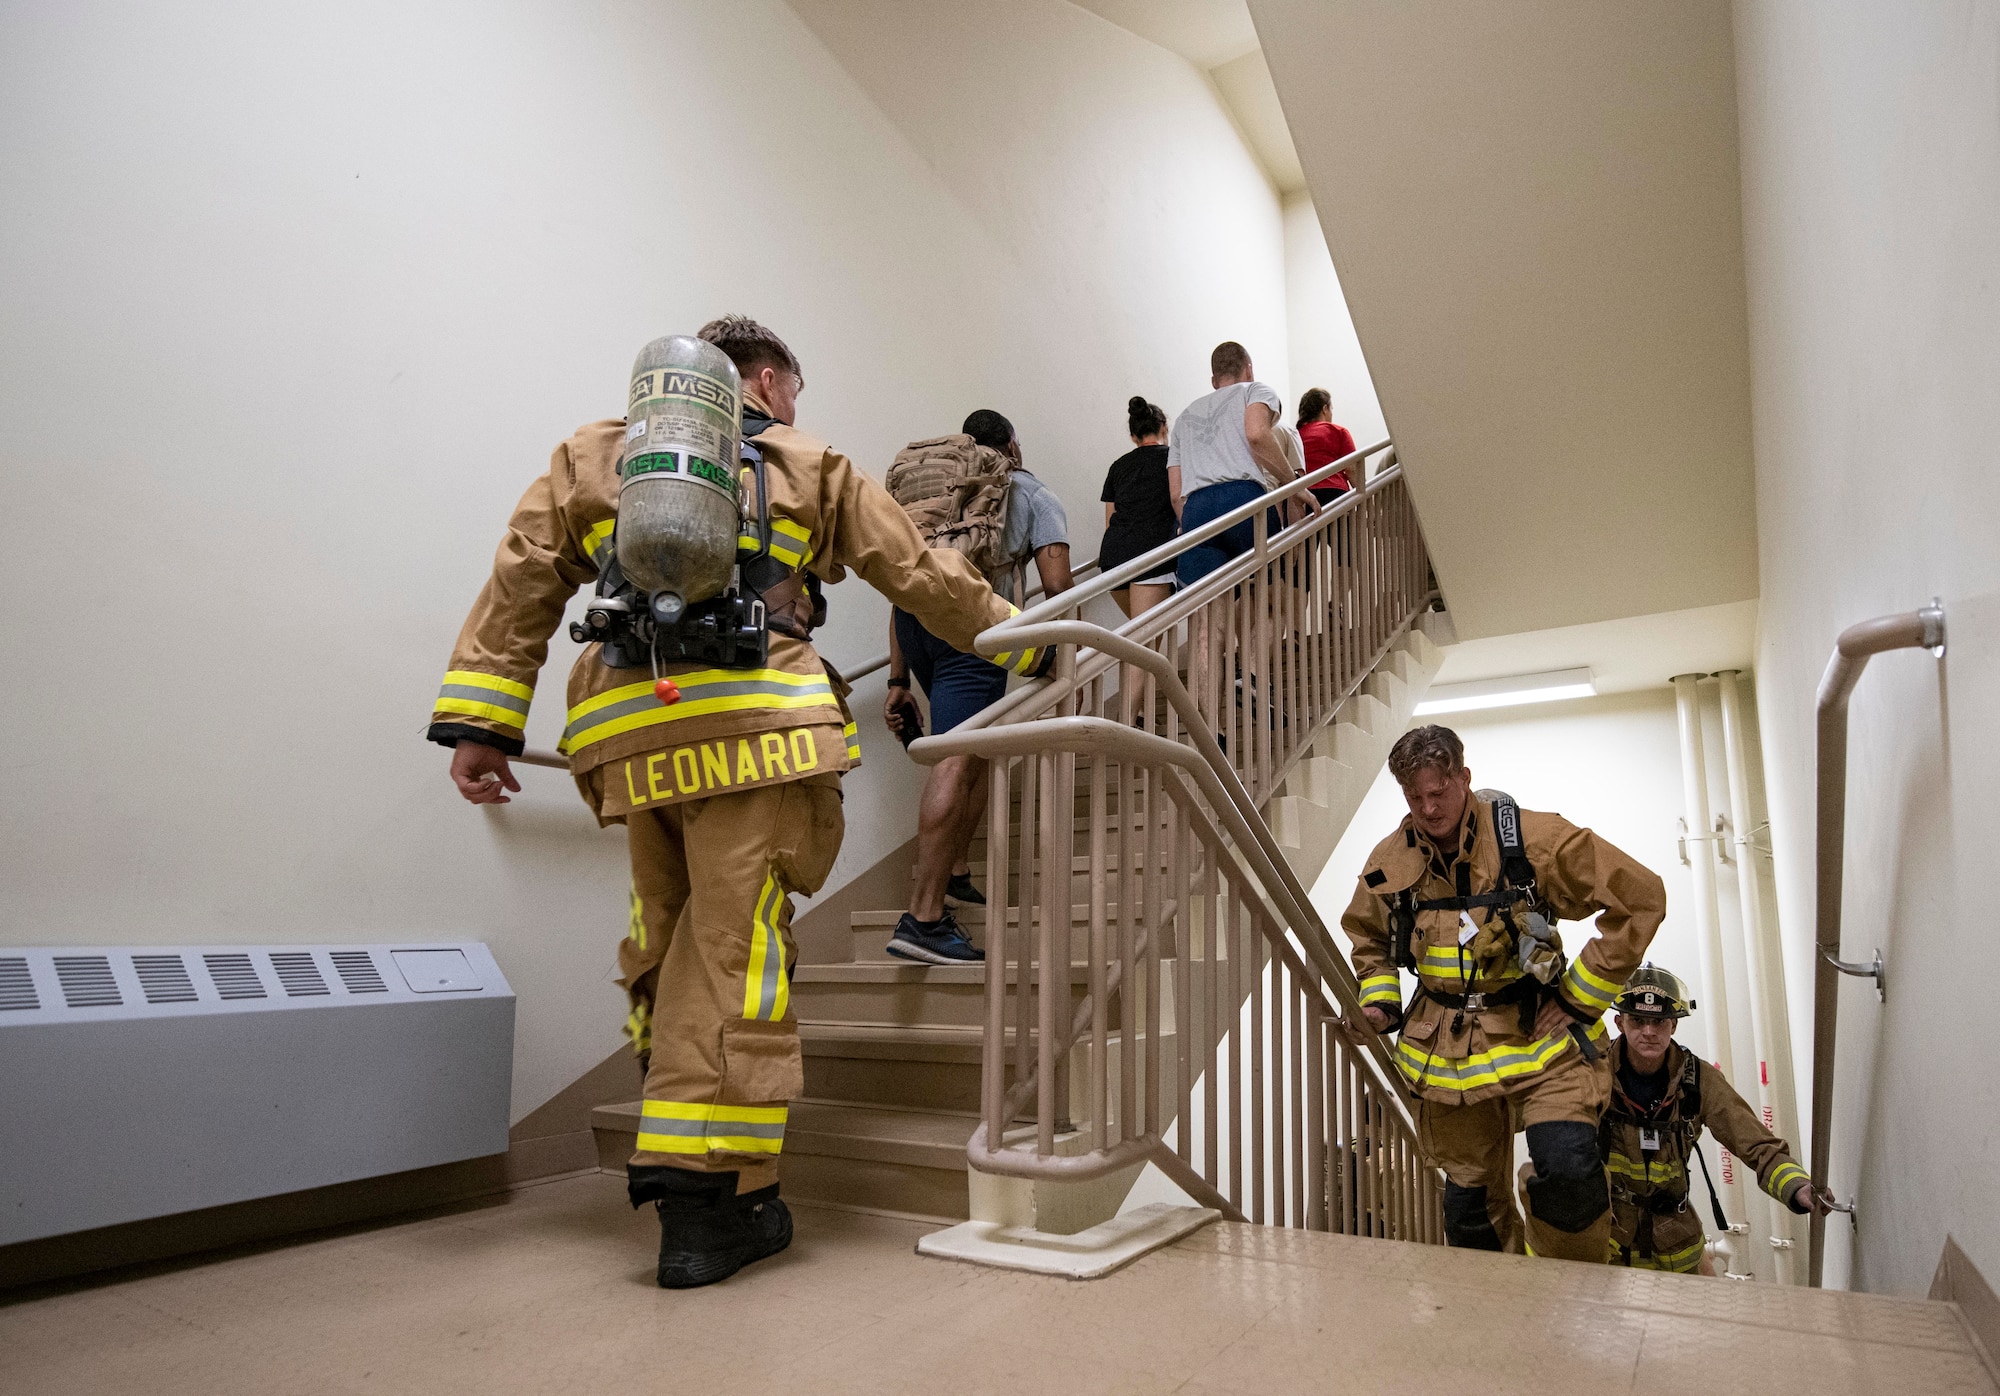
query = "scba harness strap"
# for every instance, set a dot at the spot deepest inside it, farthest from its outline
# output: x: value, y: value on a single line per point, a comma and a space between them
x: 1684, y: 1118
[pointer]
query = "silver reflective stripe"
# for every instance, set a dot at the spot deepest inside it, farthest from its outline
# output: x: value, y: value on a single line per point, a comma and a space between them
x: 484, y: 695
x: 645, y: 702
x: 700, y: 1129
x: 774, y: 948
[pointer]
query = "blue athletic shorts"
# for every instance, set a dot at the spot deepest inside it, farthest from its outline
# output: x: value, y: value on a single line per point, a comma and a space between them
x: 958, y: 685
x: 1207, y: 504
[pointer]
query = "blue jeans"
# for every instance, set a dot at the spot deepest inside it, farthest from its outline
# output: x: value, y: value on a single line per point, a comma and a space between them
x: 1207, y: 504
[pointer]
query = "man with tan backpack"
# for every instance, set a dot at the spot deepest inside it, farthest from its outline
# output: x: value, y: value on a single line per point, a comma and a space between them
x: 966, y: 493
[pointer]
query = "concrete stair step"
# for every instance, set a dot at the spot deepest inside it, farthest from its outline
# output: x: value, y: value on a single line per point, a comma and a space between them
x: 895, y: 994
x: 934, y: 1066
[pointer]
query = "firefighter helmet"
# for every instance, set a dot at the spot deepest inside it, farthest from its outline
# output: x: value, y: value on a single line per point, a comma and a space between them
x: 1652, y: 992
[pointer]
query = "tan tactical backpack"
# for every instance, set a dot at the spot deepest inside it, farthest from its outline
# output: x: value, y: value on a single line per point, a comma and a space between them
x: 955, y: 492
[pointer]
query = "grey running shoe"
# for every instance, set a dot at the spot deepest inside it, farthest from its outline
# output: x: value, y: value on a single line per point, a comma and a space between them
x: 939, y: 942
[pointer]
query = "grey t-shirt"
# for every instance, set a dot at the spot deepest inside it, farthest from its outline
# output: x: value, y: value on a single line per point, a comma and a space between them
x: 1035, y: 519
x: 1208, y: 443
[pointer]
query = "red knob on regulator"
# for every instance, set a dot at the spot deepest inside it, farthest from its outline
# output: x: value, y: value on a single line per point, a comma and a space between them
x: 667, y: 691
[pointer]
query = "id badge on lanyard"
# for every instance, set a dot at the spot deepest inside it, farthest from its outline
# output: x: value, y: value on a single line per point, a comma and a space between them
x: 1649, y: 1140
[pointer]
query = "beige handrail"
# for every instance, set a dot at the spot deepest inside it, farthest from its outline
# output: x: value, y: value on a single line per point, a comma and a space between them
x: 1921, y: 629
x: 1188, y: 892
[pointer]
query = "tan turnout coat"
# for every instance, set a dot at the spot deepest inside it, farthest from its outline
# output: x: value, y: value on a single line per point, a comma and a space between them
x: 1463, y: 1057
x: 1642, y: 1178
x: 732, y: 729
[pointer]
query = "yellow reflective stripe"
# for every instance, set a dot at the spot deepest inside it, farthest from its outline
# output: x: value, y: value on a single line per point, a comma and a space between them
x: 472, y: 679
x: 1784, y: 1178
x: 791, y: 543
x: 853, y: 735
x: 1005, y: 659
x: 598, y: 536
x: 1588, y: 988
x: 688, y: 1127
x: 766, y: 994
x: 1381, y: 988
x: 637, y: 931
x: 1645, y: 1171
x: 1683, y: 1261
x: 639, y: 1027
x: 1442, y: 963
x: 1488, y: 1068
x: 506, y: 717
x: 703, y: 691
x: 472, y: 694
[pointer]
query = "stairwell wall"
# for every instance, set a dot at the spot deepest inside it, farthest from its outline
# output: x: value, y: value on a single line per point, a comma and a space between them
x: 1871, y: 197
x: 297, y: 300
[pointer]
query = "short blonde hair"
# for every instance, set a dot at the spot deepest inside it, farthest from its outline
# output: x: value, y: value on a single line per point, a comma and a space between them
x: 1426, y: 748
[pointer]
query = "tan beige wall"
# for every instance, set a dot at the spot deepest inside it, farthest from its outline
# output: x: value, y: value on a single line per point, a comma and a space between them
x: 1534, y: 209
x: 1871, y: 196
x: 297, y: 299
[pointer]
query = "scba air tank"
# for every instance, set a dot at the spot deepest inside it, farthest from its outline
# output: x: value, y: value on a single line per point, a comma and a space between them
x: 679, y: 506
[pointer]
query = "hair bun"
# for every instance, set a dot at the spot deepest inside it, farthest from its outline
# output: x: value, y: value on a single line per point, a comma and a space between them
x: 1136, y: 404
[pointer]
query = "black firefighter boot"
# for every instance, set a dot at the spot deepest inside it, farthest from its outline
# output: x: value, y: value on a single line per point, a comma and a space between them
x: 707, y: 1232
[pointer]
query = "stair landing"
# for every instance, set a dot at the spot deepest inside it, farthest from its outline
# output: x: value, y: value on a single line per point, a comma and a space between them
x: 549, y: 1288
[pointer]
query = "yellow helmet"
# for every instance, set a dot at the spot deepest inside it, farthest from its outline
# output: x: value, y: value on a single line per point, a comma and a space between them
x: 1652, y: 992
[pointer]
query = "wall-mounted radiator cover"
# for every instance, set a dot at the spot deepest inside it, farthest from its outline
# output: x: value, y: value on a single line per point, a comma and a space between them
x: 143, y: 1081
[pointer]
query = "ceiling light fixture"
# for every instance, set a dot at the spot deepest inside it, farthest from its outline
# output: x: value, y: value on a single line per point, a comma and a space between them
x: 1505, y: 693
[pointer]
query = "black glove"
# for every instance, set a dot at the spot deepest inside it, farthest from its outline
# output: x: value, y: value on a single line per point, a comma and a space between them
x: 1044, y: 664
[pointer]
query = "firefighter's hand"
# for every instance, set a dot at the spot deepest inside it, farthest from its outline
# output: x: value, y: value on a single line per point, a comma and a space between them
x: 1377, y: 1019
x: 1808, y: 1200
x: 1553, y: 1021
x: 893, y: 706
x: 481, y: 773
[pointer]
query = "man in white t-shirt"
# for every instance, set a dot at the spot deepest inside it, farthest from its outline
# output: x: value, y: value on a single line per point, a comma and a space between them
x: 1223, y: 453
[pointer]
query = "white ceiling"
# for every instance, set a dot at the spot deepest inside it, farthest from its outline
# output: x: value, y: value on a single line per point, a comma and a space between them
x: 1534, y: 212
x: 1622, y: 655
x: 1208, y: 33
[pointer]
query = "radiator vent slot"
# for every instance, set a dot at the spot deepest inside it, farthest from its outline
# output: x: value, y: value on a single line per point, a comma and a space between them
x: 164, y: 978
x: 17, y: 986
x: 298, y: 973
x: 357, y: 971
x: 86, y: 981
x: 234, y: 976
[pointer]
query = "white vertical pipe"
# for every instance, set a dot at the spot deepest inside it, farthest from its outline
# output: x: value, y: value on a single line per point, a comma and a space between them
x: 1708, y: 940
x: 1770, y: 1020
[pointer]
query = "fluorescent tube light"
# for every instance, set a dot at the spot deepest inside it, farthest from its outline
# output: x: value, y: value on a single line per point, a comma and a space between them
x: 1505, y: 693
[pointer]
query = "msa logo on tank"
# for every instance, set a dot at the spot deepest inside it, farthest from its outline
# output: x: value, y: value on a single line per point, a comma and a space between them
x: 684, y: 383
x: 1507, y: 823
x: 682, y: 419
x: 670, y: 462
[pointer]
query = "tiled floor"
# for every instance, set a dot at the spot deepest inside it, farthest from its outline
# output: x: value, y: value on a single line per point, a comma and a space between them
x: 551, y: 1291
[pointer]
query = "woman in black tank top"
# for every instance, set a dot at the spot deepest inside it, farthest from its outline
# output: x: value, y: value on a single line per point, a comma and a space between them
x: 1138, y: 510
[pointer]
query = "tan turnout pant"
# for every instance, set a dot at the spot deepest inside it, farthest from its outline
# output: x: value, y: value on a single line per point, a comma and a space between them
x: 1474, y: 1145
x: 708, y: 966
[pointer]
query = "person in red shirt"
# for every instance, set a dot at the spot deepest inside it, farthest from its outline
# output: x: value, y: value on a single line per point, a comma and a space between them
x: 1325, y: 442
